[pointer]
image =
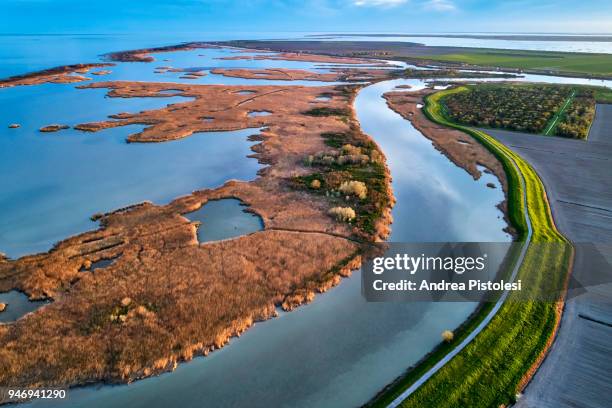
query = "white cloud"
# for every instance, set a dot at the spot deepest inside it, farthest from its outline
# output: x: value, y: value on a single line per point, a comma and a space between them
x: 439, y: 5
x: 378, y: 3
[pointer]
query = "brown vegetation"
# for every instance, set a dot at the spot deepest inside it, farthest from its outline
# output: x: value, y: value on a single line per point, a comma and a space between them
x: 345, y: 214
x: 53, y: 128
x: 448, y: 336
x: 59, y: 75
x: 278, y: 74
x: 143, y: 54
x: 296, y: 56
x: 457, y: 146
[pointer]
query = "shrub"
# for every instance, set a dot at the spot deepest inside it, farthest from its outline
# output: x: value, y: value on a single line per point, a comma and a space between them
x: 345, y: 214
x: 448, y: 336
x: 315, y: 184
x: 327, y: 112
x: 350, y: 149
x: 356, y: 188
x: 377, y: 157
x: 353, y: 159
x: 309, y: 160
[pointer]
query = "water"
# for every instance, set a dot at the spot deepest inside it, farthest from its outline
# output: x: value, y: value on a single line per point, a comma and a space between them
x: 436, y: 201
x: 223, y: 219
x: 22, y: 53
x: 253, y: 114
x: 101, y: 264
x: 205, y: 60
x: 17, y: 306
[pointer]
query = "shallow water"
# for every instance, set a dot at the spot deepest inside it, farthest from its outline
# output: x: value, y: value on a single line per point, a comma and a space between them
x: 18, y: 305
x: 436, y: 201
x: 54, y: 182
x: 224, y: 219
x: 253, y: 114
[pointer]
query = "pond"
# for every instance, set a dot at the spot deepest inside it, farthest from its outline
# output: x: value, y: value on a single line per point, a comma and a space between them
x: 224, y: 219
x: 17, y: 305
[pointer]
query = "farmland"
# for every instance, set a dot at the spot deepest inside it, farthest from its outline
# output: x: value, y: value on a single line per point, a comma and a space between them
x: 571, y: 63
x: 547, y: 109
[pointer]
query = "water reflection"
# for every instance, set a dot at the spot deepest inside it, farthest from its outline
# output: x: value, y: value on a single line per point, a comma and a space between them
x: 223, y: 219
x: 16, y: 305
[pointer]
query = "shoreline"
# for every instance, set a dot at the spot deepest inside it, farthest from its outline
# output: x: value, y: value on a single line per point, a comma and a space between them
x: 60, y: 74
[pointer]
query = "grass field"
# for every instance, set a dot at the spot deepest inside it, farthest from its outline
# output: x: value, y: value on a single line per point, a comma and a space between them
x: 603, y: 95
x: 575, y: 63
x: 489, y: 371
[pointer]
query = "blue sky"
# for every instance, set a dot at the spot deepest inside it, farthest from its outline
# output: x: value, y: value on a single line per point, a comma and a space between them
x: 213, y: 16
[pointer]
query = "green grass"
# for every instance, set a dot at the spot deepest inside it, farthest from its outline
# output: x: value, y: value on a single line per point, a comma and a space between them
x: 488, y: 371
x: 325, y: 111
x: 603, y: 95
x: 573, y: 63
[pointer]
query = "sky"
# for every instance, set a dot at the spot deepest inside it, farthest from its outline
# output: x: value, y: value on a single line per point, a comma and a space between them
x: 216, y: 16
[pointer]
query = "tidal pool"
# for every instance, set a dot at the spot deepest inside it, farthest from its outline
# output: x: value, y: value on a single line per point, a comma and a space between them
x: 17, y: 306
x: 253, y: 114
x: 224, y: 219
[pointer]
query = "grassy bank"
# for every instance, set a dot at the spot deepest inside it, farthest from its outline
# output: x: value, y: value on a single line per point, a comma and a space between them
x: 573, y: 63
x: 490, y: 371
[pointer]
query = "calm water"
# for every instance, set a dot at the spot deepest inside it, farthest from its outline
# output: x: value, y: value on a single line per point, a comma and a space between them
x: 17, y: 305
x: 436, y: 201
x: 223, y: 219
